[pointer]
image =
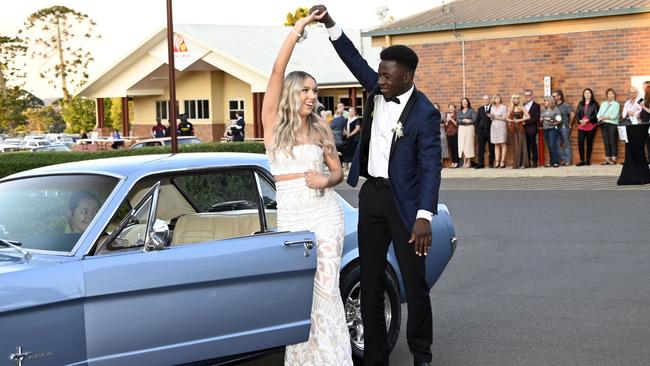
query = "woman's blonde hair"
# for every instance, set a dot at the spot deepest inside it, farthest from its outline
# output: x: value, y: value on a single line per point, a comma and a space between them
x: 288, y: 123
x: 512, y: 103
x: 494, y: 99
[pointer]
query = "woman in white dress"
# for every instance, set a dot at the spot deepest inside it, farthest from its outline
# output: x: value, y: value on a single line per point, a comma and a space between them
x: 499, y: 131
x: 296, y: 139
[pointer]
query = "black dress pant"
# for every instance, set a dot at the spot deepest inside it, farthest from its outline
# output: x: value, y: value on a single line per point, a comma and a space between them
x: 484, y: 139
x: 379, y: 224
x: 610, y: 139
x: 531, y: 147
x: 452, y: 142
x: 586, y: 137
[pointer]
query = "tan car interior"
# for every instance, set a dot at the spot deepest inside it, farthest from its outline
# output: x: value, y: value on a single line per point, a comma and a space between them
x: 192, y: 227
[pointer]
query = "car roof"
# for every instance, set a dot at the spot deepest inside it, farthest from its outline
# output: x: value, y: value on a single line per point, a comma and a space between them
x: 137, y: 166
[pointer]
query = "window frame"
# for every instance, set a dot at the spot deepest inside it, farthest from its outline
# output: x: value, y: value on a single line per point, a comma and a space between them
x: 241, y: 107
x: 159, y: 109
x: 197, y: 108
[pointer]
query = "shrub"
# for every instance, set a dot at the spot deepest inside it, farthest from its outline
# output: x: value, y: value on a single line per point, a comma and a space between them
x: 11, y: 163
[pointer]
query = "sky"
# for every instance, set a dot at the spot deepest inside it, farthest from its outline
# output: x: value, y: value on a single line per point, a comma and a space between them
x: 125, y: 24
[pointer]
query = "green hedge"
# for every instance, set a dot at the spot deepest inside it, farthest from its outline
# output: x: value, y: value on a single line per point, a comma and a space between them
x: 11, y: 163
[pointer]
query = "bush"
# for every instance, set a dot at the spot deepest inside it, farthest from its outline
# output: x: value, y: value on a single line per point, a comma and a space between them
x: 11, y: 163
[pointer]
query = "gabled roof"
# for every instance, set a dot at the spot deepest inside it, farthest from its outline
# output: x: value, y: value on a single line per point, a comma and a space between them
x: 257, y: 46
x: 487, y: 13
x: 251, y: 48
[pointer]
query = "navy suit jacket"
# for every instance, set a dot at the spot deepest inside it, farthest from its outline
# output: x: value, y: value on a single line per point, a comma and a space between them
x: 415, y: 158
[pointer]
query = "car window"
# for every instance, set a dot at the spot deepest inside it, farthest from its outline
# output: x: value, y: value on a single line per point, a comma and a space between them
x: 226, y: 203
x: 51, y: 212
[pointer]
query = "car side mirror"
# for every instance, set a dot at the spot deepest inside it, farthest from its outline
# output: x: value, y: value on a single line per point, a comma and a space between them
x: 158, y: 236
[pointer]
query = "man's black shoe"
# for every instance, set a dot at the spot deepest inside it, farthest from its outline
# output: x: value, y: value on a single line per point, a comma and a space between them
x: 479, y: 167
x: 416, y: 363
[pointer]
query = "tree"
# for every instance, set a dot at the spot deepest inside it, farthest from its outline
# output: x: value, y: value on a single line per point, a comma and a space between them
x: 55, y: 34
x: 9, y: 49
x: 78, y: 114
x: 115, y: 113
x: 13, y: 103
x: 293, y: 18
x: 46, y: 119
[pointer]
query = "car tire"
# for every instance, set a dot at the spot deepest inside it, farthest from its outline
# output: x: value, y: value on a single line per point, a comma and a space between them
x: 350, y: 288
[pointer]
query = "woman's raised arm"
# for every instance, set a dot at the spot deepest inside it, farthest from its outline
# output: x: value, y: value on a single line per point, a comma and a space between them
x: 276, y: 81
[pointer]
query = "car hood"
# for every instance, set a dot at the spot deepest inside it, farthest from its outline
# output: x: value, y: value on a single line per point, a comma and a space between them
x: 14, y: 262
x: 38, y: 281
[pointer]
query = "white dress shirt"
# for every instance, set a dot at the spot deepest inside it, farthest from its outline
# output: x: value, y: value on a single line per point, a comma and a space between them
x: 386, y: 116
x: 528, y: 105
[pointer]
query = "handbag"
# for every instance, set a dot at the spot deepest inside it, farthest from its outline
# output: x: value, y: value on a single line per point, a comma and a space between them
x: 587, y: 126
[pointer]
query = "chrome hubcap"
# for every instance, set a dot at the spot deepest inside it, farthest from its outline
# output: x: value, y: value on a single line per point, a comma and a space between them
x: 353, y: 315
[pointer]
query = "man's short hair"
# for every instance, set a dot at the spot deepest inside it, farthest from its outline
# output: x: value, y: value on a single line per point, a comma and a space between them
x: 401, y: 54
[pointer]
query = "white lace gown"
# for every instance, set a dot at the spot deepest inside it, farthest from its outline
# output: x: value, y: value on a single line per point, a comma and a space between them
x: 329, y: 339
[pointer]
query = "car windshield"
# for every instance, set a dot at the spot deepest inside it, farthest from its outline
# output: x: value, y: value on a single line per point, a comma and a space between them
x: 51, y: 212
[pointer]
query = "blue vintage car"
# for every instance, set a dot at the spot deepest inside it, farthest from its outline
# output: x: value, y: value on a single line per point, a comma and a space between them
x: 166, y: 259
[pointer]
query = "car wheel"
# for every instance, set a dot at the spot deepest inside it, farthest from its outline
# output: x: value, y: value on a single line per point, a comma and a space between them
x: 351, y: 291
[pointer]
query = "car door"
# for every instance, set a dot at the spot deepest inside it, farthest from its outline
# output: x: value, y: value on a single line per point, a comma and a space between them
x: 200, y: 297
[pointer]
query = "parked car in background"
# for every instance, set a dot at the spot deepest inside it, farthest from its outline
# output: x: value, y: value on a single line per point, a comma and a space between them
x: 9, y: 147
x: 168, y: 259
x: 166, y: 141
x: 52, y: 147
x: 29, y: 143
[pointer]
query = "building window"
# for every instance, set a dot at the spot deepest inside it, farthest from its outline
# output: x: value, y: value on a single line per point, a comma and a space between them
x: 236, y: 106
x: 197, y: 109
x: 162, y: 109
x: 327, y: 102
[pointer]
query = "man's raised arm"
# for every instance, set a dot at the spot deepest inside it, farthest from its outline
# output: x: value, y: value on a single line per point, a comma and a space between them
x: 349, y: 54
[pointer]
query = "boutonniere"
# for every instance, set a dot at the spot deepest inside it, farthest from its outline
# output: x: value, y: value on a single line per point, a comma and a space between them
x: 398, y: 130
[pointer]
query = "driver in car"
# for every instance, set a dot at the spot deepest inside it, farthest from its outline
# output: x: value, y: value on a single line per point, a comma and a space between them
x: 82, y: 208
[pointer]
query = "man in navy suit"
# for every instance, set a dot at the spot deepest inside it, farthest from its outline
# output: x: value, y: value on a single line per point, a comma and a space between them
x: 400, y: 157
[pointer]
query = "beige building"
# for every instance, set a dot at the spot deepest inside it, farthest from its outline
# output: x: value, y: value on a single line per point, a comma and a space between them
x: 220, y: 70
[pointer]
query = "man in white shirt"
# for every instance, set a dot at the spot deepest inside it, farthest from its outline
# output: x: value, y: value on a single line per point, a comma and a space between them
x: 400, y: 156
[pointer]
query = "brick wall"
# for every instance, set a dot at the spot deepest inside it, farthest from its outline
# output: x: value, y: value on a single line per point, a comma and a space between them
x: 597, y: 60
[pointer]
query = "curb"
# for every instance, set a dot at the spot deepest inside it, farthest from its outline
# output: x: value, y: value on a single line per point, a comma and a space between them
x: 563, y: 171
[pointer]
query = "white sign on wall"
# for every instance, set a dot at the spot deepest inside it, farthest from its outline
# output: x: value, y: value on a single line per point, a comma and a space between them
x: 547, y: 86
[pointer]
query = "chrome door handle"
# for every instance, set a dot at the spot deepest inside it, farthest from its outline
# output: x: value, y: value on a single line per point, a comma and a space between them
x: 307, y: 243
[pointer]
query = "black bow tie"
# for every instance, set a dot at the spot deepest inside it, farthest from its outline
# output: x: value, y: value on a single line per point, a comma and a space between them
x: 393, y: 99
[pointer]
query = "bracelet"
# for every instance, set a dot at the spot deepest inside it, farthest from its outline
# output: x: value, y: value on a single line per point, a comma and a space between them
x: 301, y: 37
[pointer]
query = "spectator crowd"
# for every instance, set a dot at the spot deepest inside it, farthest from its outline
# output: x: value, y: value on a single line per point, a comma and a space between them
x: 467, y: 133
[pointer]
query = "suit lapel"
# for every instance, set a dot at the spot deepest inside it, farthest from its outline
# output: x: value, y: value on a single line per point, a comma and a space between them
x: 403, y: 118
x: 364, y: 143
